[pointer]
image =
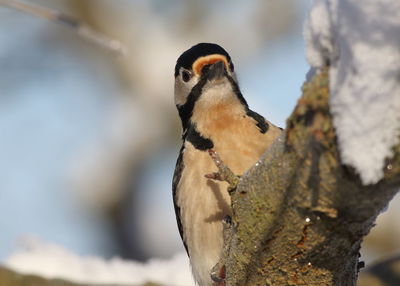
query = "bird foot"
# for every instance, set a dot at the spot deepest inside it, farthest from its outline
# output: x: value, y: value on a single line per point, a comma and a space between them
x: 214, y: 176
x: 218, y: 275
x: 224, y: 173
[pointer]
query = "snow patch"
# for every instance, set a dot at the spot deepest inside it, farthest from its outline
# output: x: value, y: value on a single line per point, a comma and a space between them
x: 318, y: 35
x: 53, y: 261
x: 361, y: 42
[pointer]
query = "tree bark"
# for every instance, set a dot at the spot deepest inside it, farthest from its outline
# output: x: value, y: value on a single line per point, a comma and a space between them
x: 299, y: 215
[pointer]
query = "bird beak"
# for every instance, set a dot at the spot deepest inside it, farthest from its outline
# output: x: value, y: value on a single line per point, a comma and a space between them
x: 216, y: 71
x: 203, y: 64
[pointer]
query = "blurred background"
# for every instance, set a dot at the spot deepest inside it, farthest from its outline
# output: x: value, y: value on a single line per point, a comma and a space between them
x: 89, y: 138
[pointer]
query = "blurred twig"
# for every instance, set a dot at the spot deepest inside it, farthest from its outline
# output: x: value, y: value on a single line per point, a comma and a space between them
x: 383, y: 273
x: 69, y: 21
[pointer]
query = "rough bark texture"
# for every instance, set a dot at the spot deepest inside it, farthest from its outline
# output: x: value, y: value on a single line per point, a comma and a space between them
x: 300, y: 215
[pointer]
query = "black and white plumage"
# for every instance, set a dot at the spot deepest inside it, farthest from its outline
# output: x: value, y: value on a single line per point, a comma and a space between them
x: 214, y: 115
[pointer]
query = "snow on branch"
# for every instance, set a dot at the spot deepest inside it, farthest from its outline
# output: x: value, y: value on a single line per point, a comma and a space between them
x: 360, y: 41
x: 52, y: 261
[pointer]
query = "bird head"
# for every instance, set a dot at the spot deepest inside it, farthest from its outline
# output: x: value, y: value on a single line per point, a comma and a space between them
x: 204, y: 73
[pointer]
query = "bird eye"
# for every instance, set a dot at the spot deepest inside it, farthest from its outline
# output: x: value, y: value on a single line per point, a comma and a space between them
x: 185, y: 76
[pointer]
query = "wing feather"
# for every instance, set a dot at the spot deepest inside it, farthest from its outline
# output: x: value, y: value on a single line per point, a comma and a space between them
x: 175, y: 181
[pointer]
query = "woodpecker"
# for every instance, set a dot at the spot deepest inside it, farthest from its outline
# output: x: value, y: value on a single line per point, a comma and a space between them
x: 214, y: 115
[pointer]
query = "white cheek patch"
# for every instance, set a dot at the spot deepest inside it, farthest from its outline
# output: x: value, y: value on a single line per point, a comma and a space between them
x: 180, y: 93
x: 182, y: 90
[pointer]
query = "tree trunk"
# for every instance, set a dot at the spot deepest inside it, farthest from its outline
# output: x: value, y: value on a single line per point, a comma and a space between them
x: 299, y: 215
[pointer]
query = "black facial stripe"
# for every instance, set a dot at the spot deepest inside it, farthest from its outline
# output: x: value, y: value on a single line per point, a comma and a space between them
x: 185, y: 110
x: 236, y: 90
x: 198, y: 141
x: 261, y: 123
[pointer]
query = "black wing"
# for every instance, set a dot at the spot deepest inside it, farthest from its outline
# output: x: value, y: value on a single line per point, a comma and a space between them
x: 261, y: 123
x: 177, y: 176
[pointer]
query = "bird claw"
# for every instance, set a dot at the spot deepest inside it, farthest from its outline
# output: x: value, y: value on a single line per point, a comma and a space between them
x: 218, y: 276
x: 227, y: 220
x: 215, y: 157
x: 224, y: 173
x: 214, y: 176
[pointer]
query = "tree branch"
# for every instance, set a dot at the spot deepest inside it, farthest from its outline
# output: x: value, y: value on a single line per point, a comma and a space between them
x: 300, y: 216
x: 72, y: 23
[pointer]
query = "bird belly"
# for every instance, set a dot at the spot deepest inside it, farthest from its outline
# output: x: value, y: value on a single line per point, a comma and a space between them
x: 203, y: 205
